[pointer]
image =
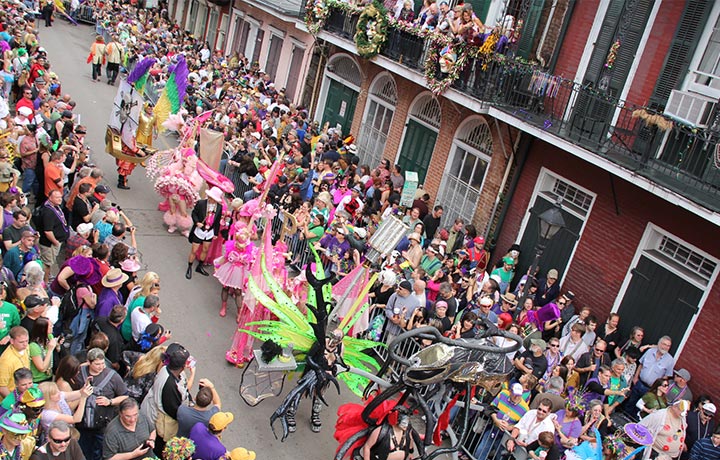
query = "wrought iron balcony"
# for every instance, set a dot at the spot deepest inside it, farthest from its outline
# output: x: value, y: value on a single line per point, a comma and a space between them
x: 679, y: 157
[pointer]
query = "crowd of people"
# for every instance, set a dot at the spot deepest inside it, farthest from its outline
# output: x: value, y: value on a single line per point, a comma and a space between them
x: 87, y: 366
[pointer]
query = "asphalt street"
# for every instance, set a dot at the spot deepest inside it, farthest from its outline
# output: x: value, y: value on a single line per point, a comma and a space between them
x: 190, y: 308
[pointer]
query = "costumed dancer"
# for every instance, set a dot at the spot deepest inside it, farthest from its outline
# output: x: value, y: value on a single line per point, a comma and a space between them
x: 146, y: 132
x: 232, y: 269
x: 218, y: 244
x: 251, y: 309
x: 393, y: 439
x: 206, y: 216
x: 327, y: 356
x: 179, y: 184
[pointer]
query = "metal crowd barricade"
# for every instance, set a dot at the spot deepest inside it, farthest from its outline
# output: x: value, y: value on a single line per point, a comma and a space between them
x: 85, y: 14
x: 483, y: 440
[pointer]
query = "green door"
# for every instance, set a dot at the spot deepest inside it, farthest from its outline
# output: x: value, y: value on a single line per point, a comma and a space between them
x: 340, y: 106
x: 558, y: 250
x: 659, y: 301
x: 417, y: 149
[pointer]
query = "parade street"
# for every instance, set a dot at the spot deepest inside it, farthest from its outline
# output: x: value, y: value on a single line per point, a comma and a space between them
x: 190, y: 308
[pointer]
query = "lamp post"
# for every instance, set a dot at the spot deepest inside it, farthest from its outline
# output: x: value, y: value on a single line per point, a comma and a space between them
x: 550, y: 222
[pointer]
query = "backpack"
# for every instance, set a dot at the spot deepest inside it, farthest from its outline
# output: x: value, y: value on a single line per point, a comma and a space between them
x: 97, y: 417
x: 70, y: 306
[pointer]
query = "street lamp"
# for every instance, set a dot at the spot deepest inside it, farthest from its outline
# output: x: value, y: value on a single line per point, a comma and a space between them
x: 550, y: 222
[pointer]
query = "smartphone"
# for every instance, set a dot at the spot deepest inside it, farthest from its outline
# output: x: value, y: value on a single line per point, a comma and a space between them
x: 191, y: 362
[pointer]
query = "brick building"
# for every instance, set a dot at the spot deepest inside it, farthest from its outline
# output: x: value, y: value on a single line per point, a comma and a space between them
x: 613, y: 109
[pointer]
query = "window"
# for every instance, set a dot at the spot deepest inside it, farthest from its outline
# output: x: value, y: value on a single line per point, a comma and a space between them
x: 376, y: 122
x: 465, y: 173
x: 212, y: 29
x: 201, y: 22
x: 294, y: 72
x: 192, y: 17
x: 273, y: 57
x: 222, y: 33
x: 240, y: 35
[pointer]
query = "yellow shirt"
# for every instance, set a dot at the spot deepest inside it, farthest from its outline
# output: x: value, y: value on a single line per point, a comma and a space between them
x: 10, y: 361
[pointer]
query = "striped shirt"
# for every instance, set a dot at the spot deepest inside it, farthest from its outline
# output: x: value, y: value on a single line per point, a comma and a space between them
x: 513, y: 411
x: 704, y: 449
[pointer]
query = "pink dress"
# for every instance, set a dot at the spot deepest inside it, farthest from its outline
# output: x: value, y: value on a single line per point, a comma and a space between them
x: 241, y: 350
x: 233, y: 269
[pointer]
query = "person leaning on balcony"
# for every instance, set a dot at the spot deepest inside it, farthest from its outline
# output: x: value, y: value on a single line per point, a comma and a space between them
x: 467, y: 25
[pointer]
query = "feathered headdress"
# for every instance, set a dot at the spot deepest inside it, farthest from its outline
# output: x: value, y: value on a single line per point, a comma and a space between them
x: 171, y: 98
x: 139, y: 75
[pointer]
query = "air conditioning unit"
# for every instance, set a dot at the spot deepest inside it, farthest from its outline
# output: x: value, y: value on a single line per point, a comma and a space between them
x: 690, y: 108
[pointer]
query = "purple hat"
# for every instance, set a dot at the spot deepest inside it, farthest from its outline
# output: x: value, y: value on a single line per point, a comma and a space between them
x: 86, y: 269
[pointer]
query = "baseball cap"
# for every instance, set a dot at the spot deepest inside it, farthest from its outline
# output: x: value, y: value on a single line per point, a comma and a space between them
x: 34, y: 300
x: 220, y: 421
x: 516, y: 389
x: 709, y: 407
x: 405, y: 284
x: 102, y: 188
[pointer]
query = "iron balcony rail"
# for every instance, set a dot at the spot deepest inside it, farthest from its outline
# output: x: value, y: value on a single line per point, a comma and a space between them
x: 676, y: 156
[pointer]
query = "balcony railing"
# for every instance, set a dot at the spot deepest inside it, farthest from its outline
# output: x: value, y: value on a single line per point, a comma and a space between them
x: 678, y: 157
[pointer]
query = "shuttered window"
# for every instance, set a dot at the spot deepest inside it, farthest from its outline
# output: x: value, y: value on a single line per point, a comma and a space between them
x: 530, y: 28
x: 625, y: 23
x: 273, y: 57
x: 682, y: 49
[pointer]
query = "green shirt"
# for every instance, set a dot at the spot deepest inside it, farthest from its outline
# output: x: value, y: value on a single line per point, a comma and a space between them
x: 318, y: 231
x: 9, y: 318
x: 126, y: 327
x: 37, y: 350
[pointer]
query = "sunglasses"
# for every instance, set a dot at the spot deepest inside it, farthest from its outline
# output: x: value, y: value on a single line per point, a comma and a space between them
x: 543, y: 411
x: 561, y: 303
x: 554, y: 345
x: 61, y: 441
x: 708, y: 414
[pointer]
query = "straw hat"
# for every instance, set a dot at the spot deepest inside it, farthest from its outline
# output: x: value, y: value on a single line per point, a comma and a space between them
x: 114, y: 277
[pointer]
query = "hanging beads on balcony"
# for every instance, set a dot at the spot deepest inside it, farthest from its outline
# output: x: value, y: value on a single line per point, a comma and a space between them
x: 371, y: 30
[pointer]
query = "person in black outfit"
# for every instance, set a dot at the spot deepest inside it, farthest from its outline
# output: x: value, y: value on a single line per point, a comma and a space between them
x: 110, y: 326
x: 82, y: 209
x: 206, y: 216
x: 54, y: 231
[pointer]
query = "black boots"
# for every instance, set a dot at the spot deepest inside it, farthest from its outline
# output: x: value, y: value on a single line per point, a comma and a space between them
x: 200, y: 269
x: 122, y: 183
x: 188, y: 272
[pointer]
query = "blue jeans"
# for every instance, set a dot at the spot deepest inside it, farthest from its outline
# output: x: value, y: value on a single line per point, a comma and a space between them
x: 491, y: 439
x: 91, y: 443
x: 29, y: 183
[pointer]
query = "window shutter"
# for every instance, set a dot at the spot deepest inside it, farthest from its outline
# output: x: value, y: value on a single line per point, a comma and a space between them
x: 629, y: 43
x: 527, y: 35
x: 480, y: 8
x: 682, y: 50
x: 258, y: 45
x: 604, y: 41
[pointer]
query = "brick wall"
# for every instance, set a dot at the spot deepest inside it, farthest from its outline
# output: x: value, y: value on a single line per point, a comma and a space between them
x: 553, y: 30
x: 452, y: 117
x: 575, y: 37
x: 657, y: 48
x: 610, y: 239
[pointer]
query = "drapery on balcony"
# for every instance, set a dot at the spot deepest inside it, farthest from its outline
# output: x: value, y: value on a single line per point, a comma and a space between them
x: 679, y: 157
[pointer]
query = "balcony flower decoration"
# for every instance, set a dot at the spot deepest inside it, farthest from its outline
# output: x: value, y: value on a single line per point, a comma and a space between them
x: 371, y: 31
x: 486, y: 51
x: 450, y: 58
x: 316, y: 13
x: 612, y: 54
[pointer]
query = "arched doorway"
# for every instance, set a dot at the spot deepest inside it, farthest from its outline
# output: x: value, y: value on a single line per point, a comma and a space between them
x: 466, y: 170
x: 379, y: 111
x: 421, y: 131
x: 339, y: 92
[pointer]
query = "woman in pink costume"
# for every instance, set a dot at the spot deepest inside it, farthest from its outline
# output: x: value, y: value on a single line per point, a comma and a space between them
x: 232, y: 269
x: 179, y: 184
x: 241, y: 351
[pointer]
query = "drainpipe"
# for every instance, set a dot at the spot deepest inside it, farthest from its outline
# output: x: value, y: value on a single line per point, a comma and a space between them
x: 561, y: 37
x: 545, y: 32
x: 523, y: 150
x: 318, y: 74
